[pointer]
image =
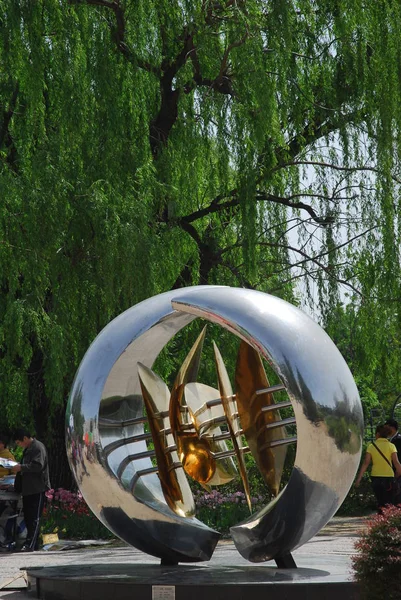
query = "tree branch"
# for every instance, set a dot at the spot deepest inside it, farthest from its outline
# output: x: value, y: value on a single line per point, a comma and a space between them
x: 326, y: 269
x: 295, y: 205
x: 332, y: 166
x: 217, y: 206
x: 119, y: 33
x: 331, y: 250
x: 8, y: 115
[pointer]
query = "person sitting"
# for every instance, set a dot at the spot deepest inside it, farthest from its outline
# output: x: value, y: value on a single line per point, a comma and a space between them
x: 383, y: 456
x: 4, y: 453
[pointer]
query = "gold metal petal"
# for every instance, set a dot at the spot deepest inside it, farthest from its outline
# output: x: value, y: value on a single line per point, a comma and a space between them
x: 190, y: 367
x: 174, y: 483
x: 188, y: 372
x: 193, y: 453
x: 196, y: 458
x: 229, y: 405
x: 206, y: 410
x: 250, y: 376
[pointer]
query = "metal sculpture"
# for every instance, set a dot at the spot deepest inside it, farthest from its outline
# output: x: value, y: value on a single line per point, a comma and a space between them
x: 131, y: 442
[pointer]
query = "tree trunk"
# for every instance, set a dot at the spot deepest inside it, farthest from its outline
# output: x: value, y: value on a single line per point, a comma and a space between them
x: 49, y: 428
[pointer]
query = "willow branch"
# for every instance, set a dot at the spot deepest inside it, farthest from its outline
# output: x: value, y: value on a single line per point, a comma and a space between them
x: 8, y: 115
x: 217, y: 206
x: 331, y: 166
x: 119, y: 33
x: 327, y: 269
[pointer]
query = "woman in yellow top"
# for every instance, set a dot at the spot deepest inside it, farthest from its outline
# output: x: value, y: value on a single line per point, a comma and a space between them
x: 4, y: 453
x: 383, y: 456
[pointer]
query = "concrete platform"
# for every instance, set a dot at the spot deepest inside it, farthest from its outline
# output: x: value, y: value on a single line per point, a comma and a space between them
x: 119, y: 573
x: 123, y: 582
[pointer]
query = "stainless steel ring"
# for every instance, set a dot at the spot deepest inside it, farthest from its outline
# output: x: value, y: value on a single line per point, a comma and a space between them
x: 106, y: 405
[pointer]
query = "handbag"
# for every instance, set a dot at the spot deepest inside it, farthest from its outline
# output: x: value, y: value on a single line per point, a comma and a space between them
x: 18, y: 483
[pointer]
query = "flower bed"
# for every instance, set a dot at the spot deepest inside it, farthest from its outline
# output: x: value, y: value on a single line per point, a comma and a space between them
x: 221, y: 511
x: 67, y: 514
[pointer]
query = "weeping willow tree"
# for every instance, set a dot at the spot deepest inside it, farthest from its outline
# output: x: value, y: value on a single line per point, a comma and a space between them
x: 155, y: 144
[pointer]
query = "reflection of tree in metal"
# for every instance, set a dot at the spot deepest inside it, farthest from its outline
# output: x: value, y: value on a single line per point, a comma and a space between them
x: 196, y: 413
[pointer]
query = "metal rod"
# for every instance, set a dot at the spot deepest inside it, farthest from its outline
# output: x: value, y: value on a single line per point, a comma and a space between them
x: 282, y: 442
x: 187, y: 427
x: 124, y: 441
x: 139, y: 474
x: 276, y: 406
x: 210, y: 422
x: 175, y: 465
x: 270, y: 390
x: 227, y: 453
x: 281, y: 423
x: 217, y: 438
x: 222, y: 436
x: 166, y: 431
x: 132, y: 457
x: 162, y: 414
x: 170, y: 448
x: 212, y: 403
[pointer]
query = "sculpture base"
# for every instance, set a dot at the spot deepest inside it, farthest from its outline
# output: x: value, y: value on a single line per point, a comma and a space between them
x: 183, y: 582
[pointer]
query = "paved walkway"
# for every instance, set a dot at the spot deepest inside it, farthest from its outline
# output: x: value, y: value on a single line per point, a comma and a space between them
x: 330, y: 550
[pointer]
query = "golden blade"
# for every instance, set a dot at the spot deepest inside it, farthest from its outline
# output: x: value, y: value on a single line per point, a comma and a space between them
x: 226, y: 395
x: 174, y: 483
x: 190, y: 367
x: 197, y: 398
x: 194, y: 454
x: 188, y: 372
x: 250, y: 376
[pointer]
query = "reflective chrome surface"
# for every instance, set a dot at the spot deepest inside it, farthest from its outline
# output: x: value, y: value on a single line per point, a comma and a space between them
x: 206, y: 411
x: 173, y: 480
x: 194, y: 454
x: 107, y: 444
x: 326, y: 405
x: 233, y: 424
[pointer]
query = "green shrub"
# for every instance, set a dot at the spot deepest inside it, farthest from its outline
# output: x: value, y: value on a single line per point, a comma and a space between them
x: 359, y: 501
x: 377, y: 564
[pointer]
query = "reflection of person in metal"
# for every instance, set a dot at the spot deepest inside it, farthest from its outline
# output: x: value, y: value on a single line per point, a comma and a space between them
x: 35, y: 481
x: 383, y: 456
x: 4, y: 453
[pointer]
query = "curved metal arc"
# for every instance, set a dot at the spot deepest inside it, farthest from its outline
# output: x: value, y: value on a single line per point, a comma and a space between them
x: 140, y: 517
